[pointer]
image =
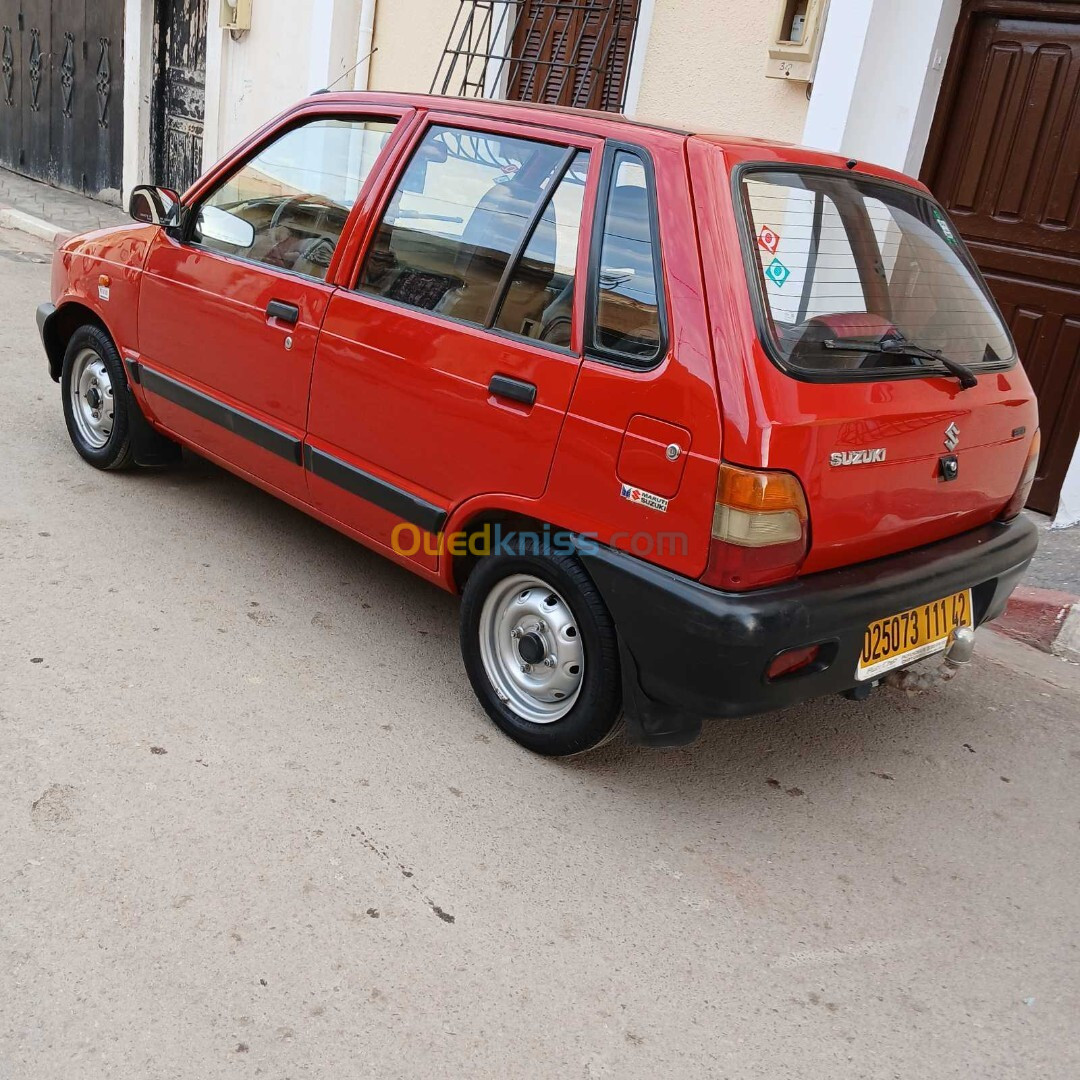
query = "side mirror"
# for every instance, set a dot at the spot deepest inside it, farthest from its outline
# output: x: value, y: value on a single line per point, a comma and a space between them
x: 221, y: 227
x: 155, y: 206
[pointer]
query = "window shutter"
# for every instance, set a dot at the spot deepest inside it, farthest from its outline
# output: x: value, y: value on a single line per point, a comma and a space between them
x: 559, y: 52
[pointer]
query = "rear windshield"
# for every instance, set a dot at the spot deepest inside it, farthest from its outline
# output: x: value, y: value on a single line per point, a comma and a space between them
x: 844, y: 262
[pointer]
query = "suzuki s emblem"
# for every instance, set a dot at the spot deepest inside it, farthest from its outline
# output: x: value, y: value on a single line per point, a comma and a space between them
x: 857, y: 457
x: 952, y: 437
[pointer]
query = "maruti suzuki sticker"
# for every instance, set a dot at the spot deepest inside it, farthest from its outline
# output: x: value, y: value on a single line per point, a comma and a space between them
x: 644, y: 498
x: 777, y: 273
x: 769, y: 239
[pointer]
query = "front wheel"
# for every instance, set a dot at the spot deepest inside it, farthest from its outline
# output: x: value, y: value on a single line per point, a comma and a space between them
x: 541, y: 653
x: 95, y: 399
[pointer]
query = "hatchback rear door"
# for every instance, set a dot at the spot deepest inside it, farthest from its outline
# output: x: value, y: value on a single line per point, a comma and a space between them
x: 859, y: 285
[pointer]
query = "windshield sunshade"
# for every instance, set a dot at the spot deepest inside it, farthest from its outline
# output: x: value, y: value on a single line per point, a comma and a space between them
x: 843, y: 262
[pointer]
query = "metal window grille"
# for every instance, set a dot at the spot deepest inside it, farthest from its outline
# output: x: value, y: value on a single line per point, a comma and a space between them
x: 556, y: 52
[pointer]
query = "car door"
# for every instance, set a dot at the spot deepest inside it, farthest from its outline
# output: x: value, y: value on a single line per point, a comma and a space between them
x: 230, y: 309
x: 446, y: 372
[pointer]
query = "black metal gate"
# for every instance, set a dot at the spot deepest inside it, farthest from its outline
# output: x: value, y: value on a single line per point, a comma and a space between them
x: 176, y: 135
x: 61, y: 92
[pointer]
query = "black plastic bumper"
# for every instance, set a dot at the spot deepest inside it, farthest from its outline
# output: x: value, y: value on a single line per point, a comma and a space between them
x: 691, y: 653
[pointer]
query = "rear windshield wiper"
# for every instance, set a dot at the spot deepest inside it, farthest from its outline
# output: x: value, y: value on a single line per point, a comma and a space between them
x: 896, y: 347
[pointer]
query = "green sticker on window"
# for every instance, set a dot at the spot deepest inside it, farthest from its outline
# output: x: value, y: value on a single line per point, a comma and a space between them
x: 944, y: 226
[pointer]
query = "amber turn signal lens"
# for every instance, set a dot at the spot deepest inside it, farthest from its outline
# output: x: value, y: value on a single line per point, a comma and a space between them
x: 759, y: 491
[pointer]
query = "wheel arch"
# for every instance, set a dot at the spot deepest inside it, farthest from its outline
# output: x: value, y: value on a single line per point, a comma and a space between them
x: 508, y: 519
x: 61, y: 326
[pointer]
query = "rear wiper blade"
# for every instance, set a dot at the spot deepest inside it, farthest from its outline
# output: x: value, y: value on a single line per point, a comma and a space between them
x: 907, y: 348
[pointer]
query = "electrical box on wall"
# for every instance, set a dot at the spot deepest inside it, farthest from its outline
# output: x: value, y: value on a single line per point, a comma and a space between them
x: 235, y: 14
x: 797, y: 39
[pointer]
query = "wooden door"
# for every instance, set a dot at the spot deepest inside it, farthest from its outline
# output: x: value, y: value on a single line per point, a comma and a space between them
x: 1004, y: 158
x: 61, y: 87
x: 179, y: 92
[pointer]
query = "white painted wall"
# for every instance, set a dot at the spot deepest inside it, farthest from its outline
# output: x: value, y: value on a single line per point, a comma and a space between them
x: 293, y: 48
x: 138, y: 84
x: 879, y: 77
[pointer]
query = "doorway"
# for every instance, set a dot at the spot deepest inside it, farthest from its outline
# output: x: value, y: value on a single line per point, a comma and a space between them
x: 179, y: 110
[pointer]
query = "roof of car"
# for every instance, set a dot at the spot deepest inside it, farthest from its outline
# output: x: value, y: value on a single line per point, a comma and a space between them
x: 591, y: 120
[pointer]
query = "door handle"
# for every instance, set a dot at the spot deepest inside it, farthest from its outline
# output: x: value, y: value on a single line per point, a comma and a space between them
x: 512, y: 389
x: 286, y: 313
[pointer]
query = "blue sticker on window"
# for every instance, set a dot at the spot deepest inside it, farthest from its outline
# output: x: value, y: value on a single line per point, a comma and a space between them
x: 777, y: 273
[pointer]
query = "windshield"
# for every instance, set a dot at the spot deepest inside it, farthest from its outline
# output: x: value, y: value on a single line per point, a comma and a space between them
x: 845, y: 261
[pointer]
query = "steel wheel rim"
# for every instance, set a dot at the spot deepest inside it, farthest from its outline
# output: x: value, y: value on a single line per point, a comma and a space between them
x: 92, y: 402
x: 532, y: 649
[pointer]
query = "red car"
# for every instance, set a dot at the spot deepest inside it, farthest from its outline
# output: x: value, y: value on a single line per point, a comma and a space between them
x: 698, y: 426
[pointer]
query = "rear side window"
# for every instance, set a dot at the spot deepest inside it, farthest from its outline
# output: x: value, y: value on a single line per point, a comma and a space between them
x: 627, y: 319
x: 539, y: 298
x: 484, y: 228
x: 843, y: 262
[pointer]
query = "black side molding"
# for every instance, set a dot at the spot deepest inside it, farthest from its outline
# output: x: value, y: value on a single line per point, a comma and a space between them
x: 247, y: 427
x: 513, y: 389
x: 392, y: 499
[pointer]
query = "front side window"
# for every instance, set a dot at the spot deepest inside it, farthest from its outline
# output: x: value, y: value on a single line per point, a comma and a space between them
x: 288, y: 205
x: 628, y: 301
x: 860, y: 278
x: 466, y: 206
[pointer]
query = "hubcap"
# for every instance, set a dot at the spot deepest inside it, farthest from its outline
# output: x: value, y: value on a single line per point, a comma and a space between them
x: 92, y: 403
x: 531, y: 649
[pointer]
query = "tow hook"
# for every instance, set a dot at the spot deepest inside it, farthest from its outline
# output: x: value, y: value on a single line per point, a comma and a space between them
x: 958, y: 653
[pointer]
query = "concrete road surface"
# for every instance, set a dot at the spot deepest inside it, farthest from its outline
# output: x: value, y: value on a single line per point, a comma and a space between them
x: 254, y: 825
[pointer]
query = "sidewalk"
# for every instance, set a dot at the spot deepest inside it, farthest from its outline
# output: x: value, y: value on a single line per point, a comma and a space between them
x: 45, y: 211
x: 1045, y: 610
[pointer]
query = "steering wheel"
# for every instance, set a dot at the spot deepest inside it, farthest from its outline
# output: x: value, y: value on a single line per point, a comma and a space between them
x: 299, y: 200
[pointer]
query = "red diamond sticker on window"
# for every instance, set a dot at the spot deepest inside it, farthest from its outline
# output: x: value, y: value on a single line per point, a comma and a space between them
x: 769, y: 239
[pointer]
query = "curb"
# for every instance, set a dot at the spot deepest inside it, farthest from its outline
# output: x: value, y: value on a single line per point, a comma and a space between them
x: 27, y: 223
x: 1047, y: 620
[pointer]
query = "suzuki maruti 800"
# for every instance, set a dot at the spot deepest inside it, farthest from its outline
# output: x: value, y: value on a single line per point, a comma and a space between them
x: 698, y: 426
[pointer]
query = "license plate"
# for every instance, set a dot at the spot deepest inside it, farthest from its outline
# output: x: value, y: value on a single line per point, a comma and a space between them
x: 902, y: 639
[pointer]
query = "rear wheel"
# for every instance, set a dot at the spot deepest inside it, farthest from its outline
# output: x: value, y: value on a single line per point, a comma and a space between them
x: 96, y: 399
x: 541, y: 652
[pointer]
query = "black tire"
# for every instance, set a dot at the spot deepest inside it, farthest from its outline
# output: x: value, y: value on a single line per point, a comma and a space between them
x: 116, y: 451
x: 596, y: 716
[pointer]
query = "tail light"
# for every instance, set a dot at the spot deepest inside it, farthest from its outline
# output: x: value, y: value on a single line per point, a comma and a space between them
x: 761, y: 529
x: 1027, y: 478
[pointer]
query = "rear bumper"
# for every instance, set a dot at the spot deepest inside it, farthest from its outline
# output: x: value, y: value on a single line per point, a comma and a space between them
x: 691, y: 653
